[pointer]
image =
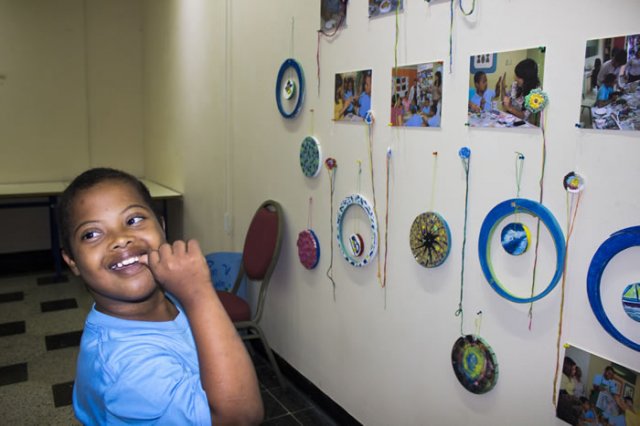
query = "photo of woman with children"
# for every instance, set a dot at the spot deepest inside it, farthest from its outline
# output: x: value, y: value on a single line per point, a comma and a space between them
x: 352, y: 99
x: 416, y: 95
x: 596, y: 392
x: 611, y: 84
x: 499, y: 84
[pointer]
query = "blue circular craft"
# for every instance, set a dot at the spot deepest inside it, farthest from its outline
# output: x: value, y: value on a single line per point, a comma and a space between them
x: 350, y: 201
x: 310, y: 157
x: 515, y: 238
x: 617, y: 242
x: 286, y: 65
x: 493, y: 219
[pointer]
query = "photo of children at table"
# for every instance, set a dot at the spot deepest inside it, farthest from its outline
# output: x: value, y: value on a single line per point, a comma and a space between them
x: 352, y: 96
x: 608, y: 395
x: 612, y: 101
x: 416, y: 95
x: 498, y: 85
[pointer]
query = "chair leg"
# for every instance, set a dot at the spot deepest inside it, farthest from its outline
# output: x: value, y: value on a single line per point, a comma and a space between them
x: 270, y: 356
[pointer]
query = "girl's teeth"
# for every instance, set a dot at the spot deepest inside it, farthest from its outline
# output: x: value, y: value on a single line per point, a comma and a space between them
x: 127, y: 262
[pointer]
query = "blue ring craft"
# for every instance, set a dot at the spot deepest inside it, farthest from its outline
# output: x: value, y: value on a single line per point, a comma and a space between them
x: 293, y: 64
x: 348, y: 202
x: 493, y: 219
x: 617, y: 242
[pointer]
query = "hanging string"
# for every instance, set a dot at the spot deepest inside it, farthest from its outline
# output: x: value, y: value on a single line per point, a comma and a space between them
x: 312, y: 121
x: 293, y: 21
x: 571, y: 220
x: 478, y: 323
x: 433, y: 180
x: 373, y: 186
x: 465, y: 13
x: 465, y: 156
x: 395, y: 46
x: 309, y: 213
x: 535, y: 258
x: 331, y: 167
x: 519, y: 168
x: 330, y: 34
x: 358, y: 190
x: 386, y: 218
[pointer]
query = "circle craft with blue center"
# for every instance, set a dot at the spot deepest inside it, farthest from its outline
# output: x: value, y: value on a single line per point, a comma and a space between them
x: 515, y: 238
x: 616, y: 243
x: 429, y: 239
x: 474, y: 364
x: 310, y: 157
x: 287, y: 88
x: 359, y: 201
x: 491, y: 222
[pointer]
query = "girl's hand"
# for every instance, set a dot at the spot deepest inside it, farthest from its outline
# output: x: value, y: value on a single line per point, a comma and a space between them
x: 181, y: 269
x: 506, y: 103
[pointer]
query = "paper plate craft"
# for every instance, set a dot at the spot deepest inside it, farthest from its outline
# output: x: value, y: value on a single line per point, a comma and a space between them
x: 308, y: 248
x: 515, y: 238
x: 310, y: 157
x: 288, y: 89
x: 631, y: 301
x: 573, y: 182
x: 617, y: 242
x: 536, y: 100
x: 359, y: 201
x: 429, y: 239
x: 474, y: 364
x: 494, y: 218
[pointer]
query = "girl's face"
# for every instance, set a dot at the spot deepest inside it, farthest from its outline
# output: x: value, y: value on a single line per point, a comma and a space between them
x: 519, y: 81
x: 111, y: 227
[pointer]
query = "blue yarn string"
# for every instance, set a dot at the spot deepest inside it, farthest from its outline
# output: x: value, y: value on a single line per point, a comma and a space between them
x: 466, y: 164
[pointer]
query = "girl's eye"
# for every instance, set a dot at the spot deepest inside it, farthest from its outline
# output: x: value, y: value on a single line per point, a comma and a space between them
x: 135, y: 220
x: 89, y: 235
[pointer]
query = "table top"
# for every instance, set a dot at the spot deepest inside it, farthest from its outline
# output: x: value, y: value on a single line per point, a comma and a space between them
x: 622, y: 114
x: 496, y: 118
x: 55, y: 188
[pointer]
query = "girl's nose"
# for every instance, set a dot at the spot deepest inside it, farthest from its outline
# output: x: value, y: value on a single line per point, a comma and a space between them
x: 121, y: 242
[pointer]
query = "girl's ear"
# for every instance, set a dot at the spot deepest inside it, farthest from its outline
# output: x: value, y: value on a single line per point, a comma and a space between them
x: 71, y: 263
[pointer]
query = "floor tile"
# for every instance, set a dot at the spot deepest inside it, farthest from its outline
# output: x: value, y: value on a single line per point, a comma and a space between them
x: 11, y: 297
x: 15, y: 373
x: 11, y: 328
x: 58, y: 305
x: 272, y: 408
x: 62, y: 394
x: 291, y: 398
x: 63, y: 340
x: 313, y: 417
x: 286, y: 420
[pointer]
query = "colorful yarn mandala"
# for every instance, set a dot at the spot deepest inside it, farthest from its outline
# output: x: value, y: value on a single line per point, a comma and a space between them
x: 536, y: 100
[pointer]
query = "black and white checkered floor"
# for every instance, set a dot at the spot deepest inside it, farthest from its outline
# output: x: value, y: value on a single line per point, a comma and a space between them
x: 40, y: 329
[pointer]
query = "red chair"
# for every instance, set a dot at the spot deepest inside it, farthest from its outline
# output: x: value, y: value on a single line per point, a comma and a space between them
x: 259, y: 257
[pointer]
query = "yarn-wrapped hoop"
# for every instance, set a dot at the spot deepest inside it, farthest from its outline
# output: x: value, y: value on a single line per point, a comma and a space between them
x: 474, y: 364
x: 287, y: 89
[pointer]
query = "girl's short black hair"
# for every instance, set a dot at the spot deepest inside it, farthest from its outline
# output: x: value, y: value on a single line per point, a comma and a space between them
x: 87, y: 180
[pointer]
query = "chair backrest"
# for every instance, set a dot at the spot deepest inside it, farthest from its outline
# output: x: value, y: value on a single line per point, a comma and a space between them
x: 262, y: 248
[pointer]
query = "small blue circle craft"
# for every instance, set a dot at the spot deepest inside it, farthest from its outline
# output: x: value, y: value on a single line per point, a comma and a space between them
x: 616, y: 243
x: 286, y: 88
x: 494, y: 218
x: 310, y: 157
x: 474, y: 364
x: 308, y: 248
x: 631, y: 301
x: 345, y: 205
x: 430, y: 239
x: 515, y: 238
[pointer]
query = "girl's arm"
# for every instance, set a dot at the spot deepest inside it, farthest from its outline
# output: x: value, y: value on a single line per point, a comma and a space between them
x: 226, y: 370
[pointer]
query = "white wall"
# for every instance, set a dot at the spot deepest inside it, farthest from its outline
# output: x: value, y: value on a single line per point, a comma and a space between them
x: 384, y: 354
x: 70, y: 99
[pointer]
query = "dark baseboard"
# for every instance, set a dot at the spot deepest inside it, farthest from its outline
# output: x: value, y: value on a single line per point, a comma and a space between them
x: 319, y: 398
x: 26, y: 262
